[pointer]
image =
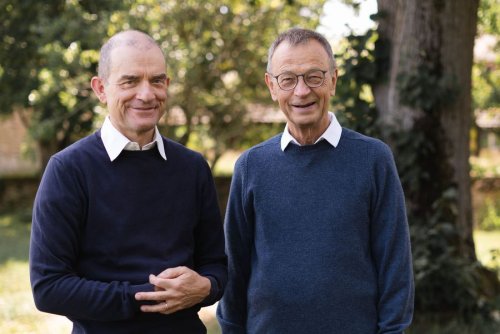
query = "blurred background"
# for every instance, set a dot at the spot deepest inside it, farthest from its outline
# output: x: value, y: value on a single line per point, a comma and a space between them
x: 422, y: 75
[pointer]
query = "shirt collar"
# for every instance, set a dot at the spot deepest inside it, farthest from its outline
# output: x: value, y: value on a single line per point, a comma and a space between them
x: 331, y: 134
x: 115, y: 142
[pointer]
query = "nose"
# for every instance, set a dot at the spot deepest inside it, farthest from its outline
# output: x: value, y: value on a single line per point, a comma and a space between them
x: 301, y: 89
x: 145, y: 92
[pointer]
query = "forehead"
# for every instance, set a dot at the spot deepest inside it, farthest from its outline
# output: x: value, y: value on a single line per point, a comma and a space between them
x: 300, y: 57
x: 133, y: 60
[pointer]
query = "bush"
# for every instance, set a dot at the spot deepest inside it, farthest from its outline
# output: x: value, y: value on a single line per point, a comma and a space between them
x: 489, y: 215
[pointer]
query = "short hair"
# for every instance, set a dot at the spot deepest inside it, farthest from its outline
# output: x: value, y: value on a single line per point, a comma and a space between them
x: 134, y: 38
x: 296, y: 36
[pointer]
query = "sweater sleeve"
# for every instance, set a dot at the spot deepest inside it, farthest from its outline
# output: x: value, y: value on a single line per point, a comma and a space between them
x: 232, y: 309
x: 210, y: 258
x: 58, y: 218
x: 391, y: 247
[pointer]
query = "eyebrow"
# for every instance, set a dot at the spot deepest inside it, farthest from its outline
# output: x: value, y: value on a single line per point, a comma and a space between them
x: 132, y: 77
x: 128, y: 77
x: 162, y: 76
x: 314, y: 69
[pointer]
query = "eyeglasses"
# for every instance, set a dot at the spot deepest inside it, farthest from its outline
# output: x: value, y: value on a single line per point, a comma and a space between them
x: 289, y: 80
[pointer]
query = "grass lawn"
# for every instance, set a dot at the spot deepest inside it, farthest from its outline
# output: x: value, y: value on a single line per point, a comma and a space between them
x: 19, y: 315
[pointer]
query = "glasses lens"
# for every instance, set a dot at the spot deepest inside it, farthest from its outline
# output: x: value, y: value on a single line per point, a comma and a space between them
x: 314, y: 78
x: 287, y: 81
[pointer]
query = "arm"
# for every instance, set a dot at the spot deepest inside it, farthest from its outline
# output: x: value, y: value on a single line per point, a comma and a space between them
x: 232, y: 309
x: 391, y: 248
x: 209, y: 256
x: 58, y: 217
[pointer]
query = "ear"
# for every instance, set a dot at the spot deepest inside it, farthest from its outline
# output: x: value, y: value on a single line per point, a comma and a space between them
x: 97, y: 85
x: 334, y: 82
x: 273, y: 86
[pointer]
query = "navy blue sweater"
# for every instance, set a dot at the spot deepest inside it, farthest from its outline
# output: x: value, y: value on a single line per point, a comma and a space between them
x: 101, y: 227
x: 317, y: 241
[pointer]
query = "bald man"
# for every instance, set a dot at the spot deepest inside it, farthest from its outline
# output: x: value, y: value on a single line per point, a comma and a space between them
x: 127, y: 235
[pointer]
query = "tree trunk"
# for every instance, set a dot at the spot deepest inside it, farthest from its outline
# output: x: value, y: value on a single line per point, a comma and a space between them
x: 46, y: 149
x: 460, y: 22
x: 428, y: 48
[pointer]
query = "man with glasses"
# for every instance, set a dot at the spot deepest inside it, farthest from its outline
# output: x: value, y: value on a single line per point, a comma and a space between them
x: 316, y: 230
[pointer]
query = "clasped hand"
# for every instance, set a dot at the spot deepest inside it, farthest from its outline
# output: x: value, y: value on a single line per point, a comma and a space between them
x: 175, y: 289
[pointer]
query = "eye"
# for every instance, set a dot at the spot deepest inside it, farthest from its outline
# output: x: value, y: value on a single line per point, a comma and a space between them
x: 315, y: 77
x: 286, y: 78
x: 158, y: 81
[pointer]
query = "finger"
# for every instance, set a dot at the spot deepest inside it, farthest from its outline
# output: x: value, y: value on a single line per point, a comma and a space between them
x: 154, y: 296
x: 157, y: 308
x: 159, y: 282
x: 174, y: 272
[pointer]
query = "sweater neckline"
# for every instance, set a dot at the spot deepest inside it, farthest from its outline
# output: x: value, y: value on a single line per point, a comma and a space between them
x: 320, y: 146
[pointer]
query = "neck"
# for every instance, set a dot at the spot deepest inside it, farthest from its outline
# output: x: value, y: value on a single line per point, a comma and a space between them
x: 143, y: 138
x: 307, y: 135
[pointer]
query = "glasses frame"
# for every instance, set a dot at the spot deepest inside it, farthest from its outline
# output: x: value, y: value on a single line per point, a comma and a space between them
x: 300, y: 75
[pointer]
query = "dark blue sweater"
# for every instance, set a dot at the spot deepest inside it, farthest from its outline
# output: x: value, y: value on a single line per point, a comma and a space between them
x: 317, y: 241
x: 101, y: 227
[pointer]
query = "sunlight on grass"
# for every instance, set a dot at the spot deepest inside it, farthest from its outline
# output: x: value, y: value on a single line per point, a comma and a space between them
x: 488, y: 248
x: 17, y: 309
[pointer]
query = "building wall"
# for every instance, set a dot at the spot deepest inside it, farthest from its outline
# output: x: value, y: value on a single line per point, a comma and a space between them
x: 13, y: 142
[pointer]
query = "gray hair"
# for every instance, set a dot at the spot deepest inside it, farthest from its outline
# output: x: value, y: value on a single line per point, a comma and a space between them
x: 134, y: 38
x: 296, y: 36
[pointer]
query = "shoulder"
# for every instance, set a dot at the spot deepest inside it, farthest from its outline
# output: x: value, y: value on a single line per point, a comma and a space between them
x: 179, y: 151
x: 365, y: 143
x: 262, y: 150
x: 186, y: 159
x: 258, y: 154
x: 74, y: 161
x: 74, y: 153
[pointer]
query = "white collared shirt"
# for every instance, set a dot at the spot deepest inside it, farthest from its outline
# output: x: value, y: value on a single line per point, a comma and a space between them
x: 115, y: 142
x: 331, y: 134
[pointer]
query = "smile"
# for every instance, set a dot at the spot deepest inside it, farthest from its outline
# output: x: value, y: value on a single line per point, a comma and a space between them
x: 303, y: 105
x: 143, y: 107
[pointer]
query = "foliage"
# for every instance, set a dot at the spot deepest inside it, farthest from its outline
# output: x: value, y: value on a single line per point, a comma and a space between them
x: 486, y: 78
x: 429, y: 324
x: 488, y: 17
x: 354, y: 104
x: 216, y: 52
x: 48, y: 54
x: 489, y: 218
x: 447, y: 281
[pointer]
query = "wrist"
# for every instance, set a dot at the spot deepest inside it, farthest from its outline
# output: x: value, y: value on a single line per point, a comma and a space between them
x: 206, y: 286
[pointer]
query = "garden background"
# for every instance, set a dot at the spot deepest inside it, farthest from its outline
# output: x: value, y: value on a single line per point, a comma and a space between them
x: 422, y: 76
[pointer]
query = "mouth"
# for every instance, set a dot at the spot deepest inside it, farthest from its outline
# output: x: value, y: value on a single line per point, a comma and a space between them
x: 144, y: 108
x: 303, y: 105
